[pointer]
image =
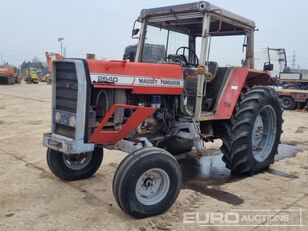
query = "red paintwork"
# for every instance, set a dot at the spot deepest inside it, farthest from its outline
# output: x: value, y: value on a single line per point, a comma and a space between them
x: 112, y: 137
x: 239, y: 77
x: 132, y: 69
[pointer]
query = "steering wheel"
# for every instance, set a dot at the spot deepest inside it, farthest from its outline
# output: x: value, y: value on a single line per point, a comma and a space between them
x: 191, y: 51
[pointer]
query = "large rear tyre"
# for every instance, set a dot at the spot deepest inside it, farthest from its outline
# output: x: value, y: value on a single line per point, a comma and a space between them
x: 147, y: 182
x: 288, y: 103
x: 256, y: 128
x: 74, y: 167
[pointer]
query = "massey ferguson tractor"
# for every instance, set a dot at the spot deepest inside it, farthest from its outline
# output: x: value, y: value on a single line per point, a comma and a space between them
x: 155, y: 111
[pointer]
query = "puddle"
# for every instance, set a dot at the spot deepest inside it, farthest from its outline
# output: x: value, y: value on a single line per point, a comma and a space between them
x: 209, y: 169
x: 207, y: 173
x: 287, y: 151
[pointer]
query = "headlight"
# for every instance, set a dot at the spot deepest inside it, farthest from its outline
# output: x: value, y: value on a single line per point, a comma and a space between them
x: 72, y: 121
x: 58, y: 116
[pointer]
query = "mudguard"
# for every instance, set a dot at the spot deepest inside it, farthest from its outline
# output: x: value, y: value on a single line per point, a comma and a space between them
x: 238, y: 79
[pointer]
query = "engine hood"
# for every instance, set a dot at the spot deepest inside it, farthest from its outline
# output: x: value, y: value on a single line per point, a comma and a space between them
x: 142, y: 78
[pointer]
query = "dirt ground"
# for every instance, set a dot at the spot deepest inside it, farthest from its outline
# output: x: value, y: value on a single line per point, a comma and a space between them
x: 31, y: 198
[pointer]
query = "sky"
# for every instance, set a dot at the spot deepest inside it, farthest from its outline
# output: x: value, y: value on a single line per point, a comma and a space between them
x: 28, y: 28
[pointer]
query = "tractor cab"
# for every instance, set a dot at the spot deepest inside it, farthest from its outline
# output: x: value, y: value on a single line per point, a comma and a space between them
x: 186, y: 32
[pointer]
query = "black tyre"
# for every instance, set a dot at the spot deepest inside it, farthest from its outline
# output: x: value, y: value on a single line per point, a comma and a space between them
x: 176, y: 145
x: 74, y: 167
x: 255, y: 131
x: 288, y: 103
x: 147, y: 182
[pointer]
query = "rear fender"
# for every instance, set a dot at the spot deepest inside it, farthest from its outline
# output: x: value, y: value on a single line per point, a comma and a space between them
x: 239, y: 78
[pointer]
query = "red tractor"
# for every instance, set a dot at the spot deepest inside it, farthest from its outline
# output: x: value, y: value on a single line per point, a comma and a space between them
x: 155, y: 111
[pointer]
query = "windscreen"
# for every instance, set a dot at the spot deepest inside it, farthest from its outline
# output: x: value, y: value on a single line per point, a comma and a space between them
x: 160, y: 43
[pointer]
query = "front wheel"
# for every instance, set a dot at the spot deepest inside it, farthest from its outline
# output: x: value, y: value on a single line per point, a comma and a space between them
x: 147, y: 182
x: 74, y: 167
x: 255, y: 131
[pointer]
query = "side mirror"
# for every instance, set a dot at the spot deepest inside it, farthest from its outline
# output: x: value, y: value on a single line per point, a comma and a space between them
x: 135, y: 32
x: 268, y: 67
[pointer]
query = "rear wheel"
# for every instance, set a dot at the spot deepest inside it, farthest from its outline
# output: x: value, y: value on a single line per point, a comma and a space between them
x: 74, y: 167
x: 147, y: 182
x: 288, y: 103
x: 256, y: 128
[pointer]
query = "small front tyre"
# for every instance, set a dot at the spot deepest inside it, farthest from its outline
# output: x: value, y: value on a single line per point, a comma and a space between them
x: 74, y: 167
x: 147, y: 182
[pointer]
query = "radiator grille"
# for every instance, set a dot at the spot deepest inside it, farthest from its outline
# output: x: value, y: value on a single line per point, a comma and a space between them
x: 66, y: 94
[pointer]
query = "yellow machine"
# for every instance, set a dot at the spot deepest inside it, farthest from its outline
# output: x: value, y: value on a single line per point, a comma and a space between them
x: 31, y: 76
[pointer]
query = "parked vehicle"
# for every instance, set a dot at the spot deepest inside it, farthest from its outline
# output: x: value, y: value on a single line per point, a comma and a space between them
x: 294, y: 80
x: 281, y: 72
x: 31, y: 76
x: 9, y: 75
x: 275, y: 56
x: 157, y: 110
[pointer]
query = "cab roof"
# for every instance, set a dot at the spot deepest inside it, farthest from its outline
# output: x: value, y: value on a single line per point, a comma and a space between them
x: 188, y: 19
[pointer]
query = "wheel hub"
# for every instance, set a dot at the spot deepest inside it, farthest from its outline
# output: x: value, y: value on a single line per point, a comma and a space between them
x: 152, y: 186
x: 264, y: 133
x: 77, y: 162
x: 286, y: 102
x: 258, y: 131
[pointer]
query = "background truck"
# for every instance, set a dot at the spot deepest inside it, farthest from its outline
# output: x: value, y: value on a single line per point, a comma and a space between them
x: 9, y: 75
x: 156, y: 110
x: 294, y: 80
x: 31, y: 76
x: 285, y: 77
x: 275, y: 56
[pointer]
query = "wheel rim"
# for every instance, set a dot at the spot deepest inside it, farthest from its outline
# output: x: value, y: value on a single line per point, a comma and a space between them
x: 264, y: 134
x: 152, y: 187
x: 77, y: 162
x: 287, y: 102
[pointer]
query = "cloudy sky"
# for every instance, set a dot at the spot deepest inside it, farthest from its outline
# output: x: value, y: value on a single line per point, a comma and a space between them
x: 31, y: 27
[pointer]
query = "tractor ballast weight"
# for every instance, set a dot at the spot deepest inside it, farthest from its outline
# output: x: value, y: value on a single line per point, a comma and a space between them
x: 155, y: 111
